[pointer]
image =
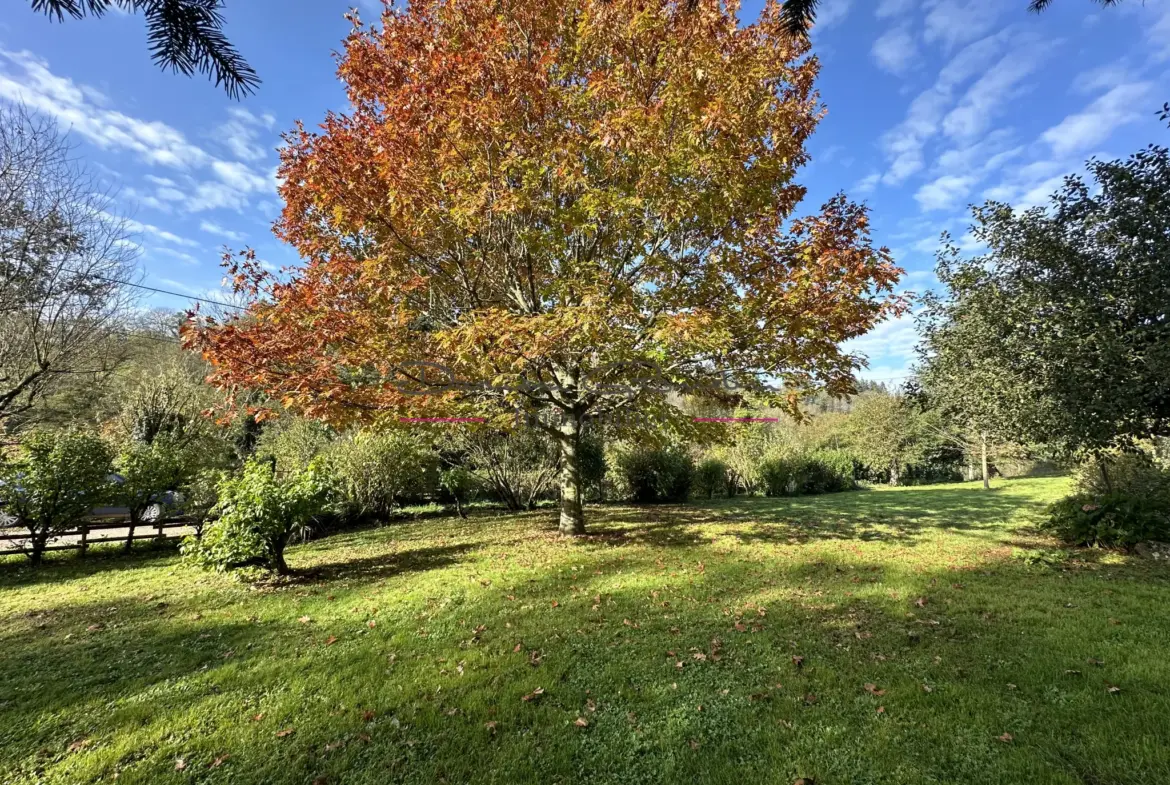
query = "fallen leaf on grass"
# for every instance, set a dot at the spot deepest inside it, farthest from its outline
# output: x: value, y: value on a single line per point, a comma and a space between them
x: 798, y: 661
x: 920, y: 602
x: 367, y: 716
x: 804, y: 781
x: 1006, y: 738
x: 80, y: 744
x: 517, y: 649
x: 491, y: 725
x: 332, y: 639
x: 1095, y: 661
x: 694, y: 744
x: 555, y: 604
x: 280, y: 734
x: 1112, y: 689
x: 180, y: 764
x: 810, y: 699
x: 534, y: 695
x: 304, y: 620
x: 881, y: 709
x: 93, y: 628
x: 257, y: 717
x: 371, y: 624
x: 873, y: 690
x: 334, y: 745
x: 215, y: 764
x: 581, y: 722
x: 927, y: 688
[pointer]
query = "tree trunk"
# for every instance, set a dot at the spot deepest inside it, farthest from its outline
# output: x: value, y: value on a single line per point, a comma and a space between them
x: 39, y: 540
x: 983, y: 449
x: 895, y: 473
x: 133, y: 524
x: 572, y: 513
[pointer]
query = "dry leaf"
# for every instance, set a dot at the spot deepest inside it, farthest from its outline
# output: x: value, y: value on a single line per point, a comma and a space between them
x: 491, y: 725
x: 518, y: 648
x: 873, y: 690
x: 1006, y: 738
x: 920, y: 602
x: 581, y: 722
x: 694, y: 744
x: 80, y: 744
x: 280, y: 734
x: 334, y: 745
x: 810, y: 699
x: 257, y: 717
x: 535, y: 694
x: 367, y: 716
x: 215, y: 764
x: 332, y: 639
x: 1112, y: 689
x: 371, y: 624
x: 180, y: 764
x: 798, y: 661
x: 881, y: 709
x: 304, y: 620
x: 927, y: 688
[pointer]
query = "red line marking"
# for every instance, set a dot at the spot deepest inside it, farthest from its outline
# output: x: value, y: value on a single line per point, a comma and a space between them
x: 736, y: 419
x: 442, y: 419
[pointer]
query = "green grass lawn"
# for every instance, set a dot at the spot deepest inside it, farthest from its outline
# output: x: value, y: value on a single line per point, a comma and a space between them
x: 905, y: 635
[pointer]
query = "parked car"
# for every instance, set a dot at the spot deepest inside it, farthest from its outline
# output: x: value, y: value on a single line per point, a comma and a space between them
x: 162, y: 504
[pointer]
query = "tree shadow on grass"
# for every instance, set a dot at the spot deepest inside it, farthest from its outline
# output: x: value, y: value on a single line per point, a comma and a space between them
x: 389, y: 564
x: 865, y: 515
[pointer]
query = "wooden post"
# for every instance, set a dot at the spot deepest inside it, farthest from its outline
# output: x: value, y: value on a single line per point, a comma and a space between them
x: 983, y: 445
x: 84, y: 539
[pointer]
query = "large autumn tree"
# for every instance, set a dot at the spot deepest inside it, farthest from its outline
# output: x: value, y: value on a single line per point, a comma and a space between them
x: 571, y: 206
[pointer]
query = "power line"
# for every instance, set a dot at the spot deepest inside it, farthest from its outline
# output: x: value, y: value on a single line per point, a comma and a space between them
x: 154, y: 289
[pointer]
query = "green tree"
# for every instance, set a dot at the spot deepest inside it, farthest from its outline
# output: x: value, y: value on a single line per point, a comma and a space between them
x: 1061, y: 329
x: 55, y: 480
x: 259, y: 513
x: 888, y: 434
x: 148, y: 470
x: 185, y: 36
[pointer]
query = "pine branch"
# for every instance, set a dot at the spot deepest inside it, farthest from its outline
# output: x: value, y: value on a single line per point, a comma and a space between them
x: 185, y: 36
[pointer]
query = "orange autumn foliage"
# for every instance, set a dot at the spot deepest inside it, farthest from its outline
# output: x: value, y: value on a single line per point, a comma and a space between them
x: 543, y: 197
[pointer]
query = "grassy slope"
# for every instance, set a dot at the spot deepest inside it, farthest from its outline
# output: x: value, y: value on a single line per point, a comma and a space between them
x: 138, y: 663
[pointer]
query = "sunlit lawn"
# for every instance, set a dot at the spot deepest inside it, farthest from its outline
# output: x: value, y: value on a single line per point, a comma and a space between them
x: 901, y: 636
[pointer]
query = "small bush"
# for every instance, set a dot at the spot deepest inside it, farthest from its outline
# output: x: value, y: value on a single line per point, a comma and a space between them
x: 1116, y: 518
x: 377, y: 472
x: 828, y: 471
x: 259, y: 513
x: 55, y: 480
x: 1133, y: 473
x: 711, y: 478
x: 653, y: 476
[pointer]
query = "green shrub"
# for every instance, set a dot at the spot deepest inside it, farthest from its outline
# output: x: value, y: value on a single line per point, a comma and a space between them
x: 711, y: 478
x: 378, y: 471
x: 460, y: 486
x: 655, y: 475
x: 1116, y: 518
x: 259, y: 513
x: 591, y: 456
x: 827, y: 471
x: 54, y: 481
x: 291, y: 443
x: 1133, y: 473
x: 150, y: 470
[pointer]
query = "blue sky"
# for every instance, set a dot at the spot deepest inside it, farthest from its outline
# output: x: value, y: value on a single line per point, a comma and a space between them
x: 932, y: 105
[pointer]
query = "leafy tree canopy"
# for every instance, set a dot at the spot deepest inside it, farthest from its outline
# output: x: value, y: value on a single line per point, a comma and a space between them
x: 569, y: 206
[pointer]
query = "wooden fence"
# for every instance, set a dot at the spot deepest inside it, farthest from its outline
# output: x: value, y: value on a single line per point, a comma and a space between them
x: 157, y: 530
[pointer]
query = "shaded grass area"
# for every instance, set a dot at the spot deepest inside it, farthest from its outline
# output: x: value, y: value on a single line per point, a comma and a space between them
x: 724, y: 642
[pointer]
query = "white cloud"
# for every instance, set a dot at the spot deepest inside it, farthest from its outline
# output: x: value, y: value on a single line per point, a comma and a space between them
x: 991, y: 93
x: 868, y: 183
x: 904, y: 143
x: 895, y: 50
x: 945, y: 192
x: 1120, y: 106
x: 831, y: 12
x: 955, y: 22
x: 214, y: 228
x: 144, y: 228
x: 888, y: 8
x: 240, y: 134
x: 889, y: 344
x: 182, y: 256
x: 26, y: 78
